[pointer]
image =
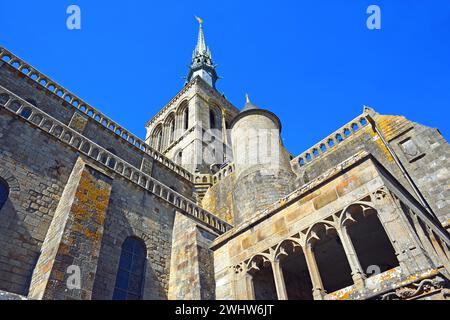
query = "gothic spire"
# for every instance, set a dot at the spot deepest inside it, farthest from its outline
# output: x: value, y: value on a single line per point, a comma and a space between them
x: 201, y: 44
x: 202, y: 64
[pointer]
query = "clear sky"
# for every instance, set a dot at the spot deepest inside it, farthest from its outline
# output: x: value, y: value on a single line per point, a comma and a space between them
x: 312, y: 62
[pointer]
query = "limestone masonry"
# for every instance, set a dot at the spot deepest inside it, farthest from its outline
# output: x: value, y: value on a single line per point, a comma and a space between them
x: 211, y: 205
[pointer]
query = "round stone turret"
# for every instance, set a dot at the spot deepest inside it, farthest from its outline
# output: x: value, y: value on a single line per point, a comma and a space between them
x: 263, y: 171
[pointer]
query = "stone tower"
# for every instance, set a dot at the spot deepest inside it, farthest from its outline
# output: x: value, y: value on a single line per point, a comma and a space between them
x: 263, y: 172
x: 191, y: 128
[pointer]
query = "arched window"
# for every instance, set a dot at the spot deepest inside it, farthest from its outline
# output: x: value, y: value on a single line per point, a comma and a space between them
x: 186, y: 118
x: 4, y: 192
x: 130, y: 277
x: 159, y: 140
x: 179, y: 158
x: 157, y: 137
x: 172, y: 131
x: 212, y: 119
x: 170, y: 124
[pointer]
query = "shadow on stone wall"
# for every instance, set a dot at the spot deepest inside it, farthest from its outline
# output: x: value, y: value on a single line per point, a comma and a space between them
x: 19, y: 251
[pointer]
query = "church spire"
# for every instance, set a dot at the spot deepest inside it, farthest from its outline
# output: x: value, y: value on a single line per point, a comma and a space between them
x: 201, y: 44
x: 202, y: 64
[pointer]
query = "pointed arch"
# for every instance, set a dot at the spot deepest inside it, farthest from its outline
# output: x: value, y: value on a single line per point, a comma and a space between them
x: 182, y: 114
x: 371, y: 242
x: 156, y: 140
x: 260, y: 269
x: 215, y: 117
x: 169, y: 124
x: 330, y: 256
x: 131, y: 272
x: 294, y: 269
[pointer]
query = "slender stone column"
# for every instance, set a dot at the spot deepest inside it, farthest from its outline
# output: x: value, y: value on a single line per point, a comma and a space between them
x: 250, y: 287
x: 243, y: 287
x: 279, y: 280
x: 358, y: 275
x: 318, y: 290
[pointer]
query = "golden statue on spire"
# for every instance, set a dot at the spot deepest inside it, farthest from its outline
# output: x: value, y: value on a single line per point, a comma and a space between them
x: 199, y: 20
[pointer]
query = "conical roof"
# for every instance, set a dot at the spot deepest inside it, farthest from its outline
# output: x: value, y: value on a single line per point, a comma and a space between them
x: 249, y: 105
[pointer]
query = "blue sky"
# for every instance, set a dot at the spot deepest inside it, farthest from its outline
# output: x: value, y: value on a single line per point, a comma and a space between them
x: 314, y: 63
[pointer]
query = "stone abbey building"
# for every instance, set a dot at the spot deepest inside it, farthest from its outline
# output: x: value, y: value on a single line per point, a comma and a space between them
x: 211, y: 205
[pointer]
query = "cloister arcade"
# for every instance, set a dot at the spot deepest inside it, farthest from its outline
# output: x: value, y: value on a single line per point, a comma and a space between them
x: 341, y: 251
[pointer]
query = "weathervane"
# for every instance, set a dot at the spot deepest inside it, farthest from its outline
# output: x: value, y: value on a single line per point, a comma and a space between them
x: 199, y: 20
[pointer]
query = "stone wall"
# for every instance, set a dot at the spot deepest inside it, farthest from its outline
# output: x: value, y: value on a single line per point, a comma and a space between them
x: 180, y: 185
x: 256, y: 190
x: 425, y: 155
x: 37, y: 168
x: 135, y: 213
x: 33, y: 92
x: 219, y: 198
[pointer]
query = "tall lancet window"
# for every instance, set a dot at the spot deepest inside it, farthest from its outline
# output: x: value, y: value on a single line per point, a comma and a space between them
x: 212, y: 120
x: 157, y: 137
x: 171, y: 127
x: 131, y: 274
x: 4, y: 192
x: 186, y: 118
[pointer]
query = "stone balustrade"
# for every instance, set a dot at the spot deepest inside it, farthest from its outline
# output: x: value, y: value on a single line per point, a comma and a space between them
x: 327, y: 144
x: 33, y: 115
x: 223, y: 173
x: 203, y: 179
x: 87, y: 109
x: 218, y: 176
